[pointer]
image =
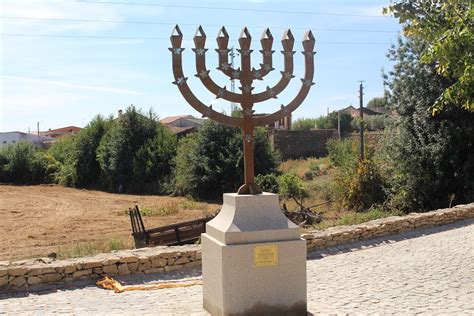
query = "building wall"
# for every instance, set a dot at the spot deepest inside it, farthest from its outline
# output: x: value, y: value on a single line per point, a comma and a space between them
x: 300, y: 144
x: 15, y: 137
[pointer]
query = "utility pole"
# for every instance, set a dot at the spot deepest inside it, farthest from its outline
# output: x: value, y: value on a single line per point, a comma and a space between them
x: 361, y: 107
x: 233, y: 105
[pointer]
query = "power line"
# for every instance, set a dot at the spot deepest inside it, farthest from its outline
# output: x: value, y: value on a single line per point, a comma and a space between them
x: 189, y: 24
x: 158, y: 38
x: 231, y: 9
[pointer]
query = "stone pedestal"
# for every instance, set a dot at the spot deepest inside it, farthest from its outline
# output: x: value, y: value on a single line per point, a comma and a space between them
x: 253, y: 259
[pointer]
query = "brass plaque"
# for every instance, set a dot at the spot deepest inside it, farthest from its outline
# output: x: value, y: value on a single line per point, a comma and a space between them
x: 265, y: 256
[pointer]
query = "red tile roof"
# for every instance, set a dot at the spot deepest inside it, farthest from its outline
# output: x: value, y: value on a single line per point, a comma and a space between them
x: 67, y: 129
x: 171, y: 119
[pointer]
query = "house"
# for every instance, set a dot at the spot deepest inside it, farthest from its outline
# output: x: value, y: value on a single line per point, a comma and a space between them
x: 182, y: 125
x: 58, y: 132
x: 282, y: 124
x: 356, y: 112
x: 7, y: 138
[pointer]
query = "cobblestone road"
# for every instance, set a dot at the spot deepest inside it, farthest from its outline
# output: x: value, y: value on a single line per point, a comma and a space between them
x: 429, y: 271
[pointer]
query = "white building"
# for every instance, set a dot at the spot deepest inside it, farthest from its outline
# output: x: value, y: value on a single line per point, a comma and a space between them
x: 7, y: 138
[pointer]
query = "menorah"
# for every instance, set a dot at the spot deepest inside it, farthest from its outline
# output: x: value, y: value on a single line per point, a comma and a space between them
x: 246, y: 74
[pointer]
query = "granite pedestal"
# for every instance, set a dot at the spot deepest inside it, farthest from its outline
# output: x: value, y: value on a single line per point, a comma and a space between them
x: 253, y: 259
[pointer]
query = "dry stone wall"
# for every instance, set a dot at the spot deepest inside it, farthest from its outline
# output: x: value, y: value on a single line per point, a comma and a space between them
x: 30, y: 273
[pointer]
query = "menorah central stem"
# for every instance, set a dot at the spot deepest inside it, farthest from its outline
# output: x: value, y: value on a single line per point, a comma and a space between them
x: 249, y: 186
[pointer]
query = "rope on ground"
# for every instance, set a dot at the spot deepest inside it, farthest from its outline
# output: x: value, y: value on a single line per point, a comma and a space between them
x: 111, y: 284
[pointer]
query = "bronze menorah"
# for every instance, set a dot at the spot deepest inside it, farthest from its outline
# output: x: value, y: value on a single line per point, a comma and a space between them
x: 246, y: 74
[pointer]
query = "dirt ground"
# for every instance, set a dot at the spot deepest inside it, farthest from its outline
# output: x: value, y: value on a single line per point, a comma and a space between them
x: 41, y: 219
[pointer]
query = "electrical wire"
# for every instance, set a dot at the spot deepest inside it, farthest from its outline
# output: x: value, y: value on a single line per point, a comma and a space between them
x: 231, y: 9
x: 189, y: 24
x: 160, y: 38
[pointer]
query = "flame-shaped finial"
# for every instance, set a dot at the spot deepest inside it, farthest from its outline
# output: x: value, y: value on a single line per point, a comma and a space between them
x: 245, y: 39
x: 267, y: 39
x: 199, y: 37
x: 222, y: 38
x: 308, y: 41
x: 176, y: 37
x: 287, y: 40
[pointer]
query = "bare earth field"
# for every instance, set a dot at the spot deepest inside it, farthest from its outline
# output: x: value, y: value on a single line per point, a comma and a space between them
x: 41, y: 219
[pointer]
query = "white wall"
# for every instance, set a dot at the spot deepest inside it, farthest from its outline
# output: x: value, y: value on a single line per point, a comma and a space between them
x: 15, y: 137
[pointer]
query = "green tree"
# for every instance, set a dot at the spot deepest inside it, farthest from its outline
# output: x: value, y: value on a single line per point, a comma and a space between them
x: 85, y: 151
x: 304, y: 124
x: 447, y: 28
x: 135, y: 154
x: 210, y: 162
x: 377, y: 102
x: 432, y: 156
x: 330, y: 121
x: 23, y: 163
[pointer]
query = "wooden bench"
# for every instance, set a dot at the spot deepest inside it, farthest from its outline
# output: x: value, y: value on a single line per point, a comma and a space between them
x: 170, y: 235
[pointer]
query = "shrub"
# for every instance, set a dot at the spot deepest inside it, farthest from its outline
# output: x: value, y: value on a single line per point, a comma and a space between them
x: 360, y: 187
x: 291, y: 187
x: 268, y: 182
x: 23, y: 163
x: 343, y: 152
x: 432, y: 156
x: 210, y: 162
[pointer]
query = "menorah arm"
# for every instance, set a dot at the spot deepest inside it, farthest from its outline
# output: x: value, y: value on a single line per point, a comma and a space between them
x: 266, y: 66
x: 224, y: 64
x: 306, y: 84
x: 285, y: 79
x: 203, y: 74
x: 180, y: 81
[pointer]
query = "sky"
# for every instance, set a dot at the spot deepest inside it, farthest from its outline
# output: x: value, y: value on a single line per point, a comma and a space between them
x: 82, y: 68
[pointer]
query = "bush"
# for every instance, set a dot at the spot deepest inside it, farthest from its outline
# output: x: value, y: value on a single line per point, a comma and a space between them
x: 343, y: 152
x: 291, y: 187
x: 210, y: 162
x: 268, y: 182
x: 432, y: 156
x: 62, y: 153
x: 362, y: 186
x: 357, y: 184
x: 23, y: 163
x: 86, y: 143
x: 304, y: 124
x: 135, y: 154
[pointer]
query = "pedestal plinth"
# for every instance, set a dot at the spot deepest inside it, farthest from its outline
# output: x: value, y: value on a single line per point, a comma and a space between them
x: 253, y: 259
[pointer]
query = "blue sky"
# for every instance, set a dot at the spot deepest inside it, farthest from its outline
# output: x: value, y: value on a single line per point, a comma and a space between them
x: 70, y: 76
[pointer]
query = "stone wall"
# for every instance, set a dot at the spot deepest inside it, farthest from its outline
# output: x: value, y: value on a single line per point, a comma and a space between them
x: 386, y: 226
x: 30, y: 273
x: 299, y: 144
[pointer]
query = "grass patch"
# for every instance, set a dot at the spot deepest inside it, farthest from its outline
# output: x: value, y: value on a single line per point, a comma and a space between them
x: 167, y: 209
x: 90, y: 248
x: 170, y: 208
x: 301, y: 166
x: 354, y: 218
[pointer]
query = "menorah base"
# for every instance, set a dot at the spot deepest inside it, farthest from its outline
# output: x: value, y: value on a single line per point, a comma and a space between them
x: 249, y: 188
x: 253, y: 259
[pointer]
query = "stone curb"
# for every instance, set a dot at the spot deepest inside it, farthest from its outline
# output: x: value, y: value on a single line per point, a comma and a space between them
x: 29, y: 273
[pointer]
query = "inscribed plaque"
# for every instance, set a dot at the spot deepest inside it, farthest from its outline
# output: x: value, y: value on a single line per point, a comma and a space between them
x: 264, y: 256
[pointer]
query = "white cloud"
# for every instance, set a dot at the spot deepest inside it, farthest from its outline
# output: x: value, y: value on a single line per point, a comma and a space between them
x: 73, y: 85
x: 44, y: 9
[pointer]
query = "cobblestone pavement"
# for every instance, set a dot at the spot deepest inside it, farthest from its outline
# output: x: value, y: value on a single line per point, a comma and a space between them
x: 429, y: 271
